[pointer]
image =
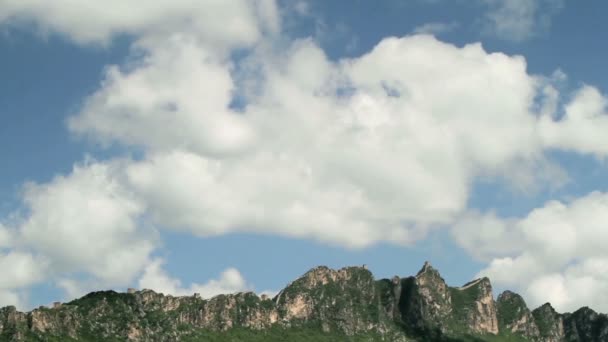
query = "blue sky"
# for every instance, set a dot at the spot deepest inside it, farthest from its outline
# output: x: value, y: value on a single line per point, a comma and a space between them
x: 228, y: 147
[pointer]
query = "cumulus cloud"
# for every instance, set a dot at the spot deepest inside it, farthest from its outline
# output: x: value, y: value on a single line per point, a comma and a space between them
x: 556, y: 253
x: 519, y: 20
x: 85, y: 222
x: 318, y: 163
x: 577, y: 129
x: 378, y: 148
x: 217, y: 22
x: 87, y: 229
x: 176, y: 97
x: 8, y: 297
x: 157, y: 279
x: 19, y: 270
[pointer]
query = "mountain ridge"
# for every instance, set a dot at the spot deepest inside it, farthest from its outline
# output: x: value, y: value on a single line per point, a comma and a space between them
x: 344, y: 304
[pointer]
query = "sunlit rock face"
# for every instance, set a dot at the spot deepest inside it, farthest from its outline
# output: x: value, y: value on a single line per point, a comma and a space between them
x: 550, y: 323
x: 323, y: 303
x: 514, y: 315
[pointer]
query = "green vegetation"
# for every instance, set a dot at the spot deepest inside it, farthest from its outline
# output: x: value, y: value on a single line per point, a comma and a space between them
x: 323, y: 305
x: 463, y: 302
x: 277, y: 334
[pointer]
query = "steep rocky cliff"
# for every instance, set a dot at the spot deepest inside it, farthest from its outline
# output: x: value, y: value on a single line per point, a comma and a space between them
x: 550, y: 323
x: 586, y: 325
x: 515, y: 317
x: 322, y: 305
x: 474, y: 307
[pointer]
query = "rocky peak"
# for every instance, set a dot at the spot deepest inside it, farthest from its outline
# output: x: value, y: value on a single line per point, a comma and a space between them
x: 333, y: 298
x: 428, y: 270
x: 550, y: 323
x: 514, y: 315
x: 474, y: 306
x: 324, y: 275
x: 342, y: 304
x: 586, y: 325
x: 425, y: 300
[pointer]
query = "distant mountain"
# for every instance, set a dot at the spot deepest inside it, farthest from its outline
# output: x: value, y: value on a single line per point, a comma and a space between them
x: 322, y: 305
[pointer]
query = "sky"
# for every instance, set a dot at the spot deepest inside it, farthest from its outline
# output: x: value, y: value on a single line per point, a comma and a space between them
x: 221, y: 146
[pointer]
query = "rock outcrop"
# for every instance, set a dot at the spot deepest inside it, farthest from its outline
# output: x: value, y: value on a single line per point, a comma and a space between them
x: 343, y: 299
x: 474, y: 307
x: 586, y: 325
x: 515, y: 317
x: 550, y: 323
x: 425, y: 300
x: 323, y: 304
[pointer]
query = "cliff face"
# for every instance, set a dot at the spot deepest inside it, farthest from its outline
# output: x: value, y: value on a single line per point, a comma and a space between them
x: 586, y: 325
x: 343, y: 300
x: 550, y: 323
x: 515, y: 317
x: 475, y: 307
x: 345, y: 304
x: 425, y: 300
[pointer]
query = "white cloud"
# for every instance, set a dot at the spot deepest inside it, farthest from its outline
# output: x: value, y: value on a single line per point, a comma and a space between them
x: 384, y: 162
x: 435, y: 28
x: 352, y: 152
x: 280, y: 179
x: 87, y: 222
x: 20, y: 269
x: 176, y: 97
x: 485, y: 235
x: 157, y: 279
x: 581, y: 128
x: 8, y: 297
x: 518, y: 20
x: 556, y: 253
x: 220, y: 23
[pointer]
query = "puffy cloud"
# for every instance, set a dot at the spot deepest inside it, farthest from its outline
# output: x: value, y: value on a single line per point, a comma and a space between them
x: 8, y: 297
x: 376, y: 148
x: 176, y: 97
x: 579, y: 128
x: 20, y: 269
x: 221, y: 23
x: 485, y: 235
x: 518, y: 20
x: 157, y: 279
x: 87, y: 222
x: 382, y: 147
x: 556, y: 253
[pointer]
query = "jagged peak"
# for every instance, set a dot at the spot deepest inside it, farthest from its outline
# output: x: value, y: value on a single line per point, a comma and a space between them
x: 427, y: 268
x: 433, y: 302
x: 484, y: 281
x: 509, y: 295
x: 585, y: 310
x: 546, y: 307
x: 319, y: 268
x: 324, y: 271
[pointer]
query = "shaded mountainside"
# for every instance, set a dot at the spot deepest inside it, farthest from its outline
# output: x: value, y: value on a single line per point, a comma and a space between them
x: 322, y: 305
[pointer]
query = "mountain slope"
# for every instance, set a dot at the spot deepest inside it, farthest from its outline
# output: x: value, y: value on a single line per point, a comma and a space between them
x: 322, y: 305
